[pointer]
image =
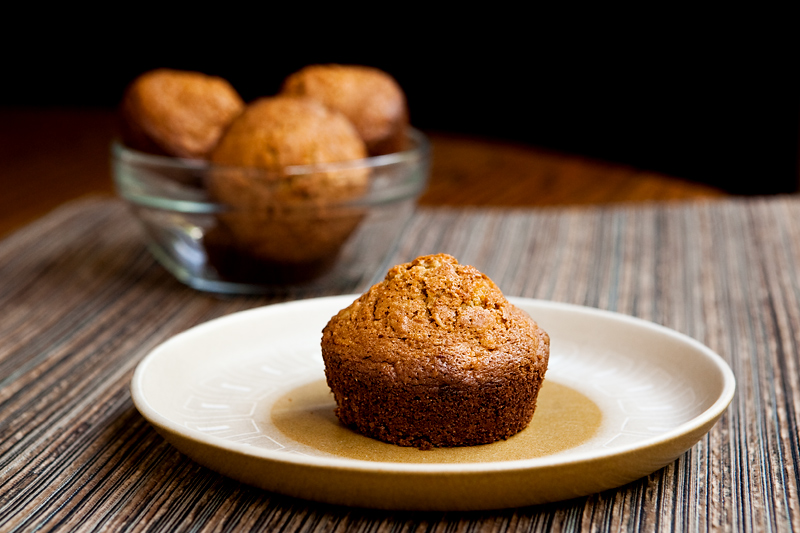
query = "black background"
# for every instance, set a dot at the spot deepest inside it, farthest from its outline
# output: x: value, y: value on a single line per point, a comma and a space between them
x: 710, y: 98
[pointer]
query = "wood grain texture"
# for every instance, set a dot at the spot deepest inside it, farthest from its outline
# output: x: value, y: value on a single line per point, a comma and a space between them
x: 82, y: 302
x: 51, y: 156
x: 484, y: 172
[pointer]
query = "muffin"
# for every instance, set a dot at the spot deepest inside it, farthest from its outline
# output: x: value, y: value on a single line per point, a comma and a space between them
x: 287, y: 220
x: 369, y: 97
x: 177, y: 113
x: 434, y: 356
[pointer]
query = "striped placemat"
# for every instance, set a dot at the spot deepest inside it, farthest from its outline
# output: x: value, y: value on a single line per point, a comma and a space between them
x: 82, y: 301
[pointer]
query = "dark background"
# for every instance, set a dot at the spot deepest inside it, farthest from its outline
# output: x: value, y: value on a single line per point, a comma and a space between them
x: 713, y: 100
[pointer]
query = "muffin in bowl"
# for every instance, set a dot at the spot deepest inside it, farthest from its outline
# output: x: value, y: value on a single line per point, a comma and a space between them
x: 369, y: 97
x: 274, y: 195
x: 434, y: 356
x: 284, y: 220
x: 177, y: 113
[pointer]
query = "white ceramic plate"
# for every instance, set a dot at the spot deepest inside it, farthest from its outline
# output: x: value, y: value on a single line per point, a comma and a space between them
x: 245, y: 395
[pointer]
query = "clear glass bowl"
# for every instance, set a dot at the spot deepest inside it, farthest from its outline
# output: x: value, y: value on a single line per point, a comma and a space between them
x: 251, y: 231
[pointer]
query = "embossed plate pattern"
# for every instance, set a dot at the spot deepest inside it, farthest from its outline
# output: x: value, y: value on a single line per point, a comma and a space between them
x: 210, y: 391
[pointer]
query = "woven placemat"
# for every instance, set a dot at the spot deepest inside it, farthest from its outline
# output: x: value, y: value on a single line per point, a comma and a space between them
x: 82, y: 301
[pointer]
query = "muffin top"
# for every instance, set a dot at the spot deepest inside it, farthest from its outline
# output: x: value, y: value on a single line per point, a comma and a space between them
x: 177, y: 113
x: 434, y: 318
x: 279, y: 131
x: 369, y: 97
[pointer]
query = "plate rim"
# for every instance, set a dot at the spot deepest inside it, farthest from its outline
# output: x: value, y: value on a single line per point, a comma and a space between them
x: 708, y: 416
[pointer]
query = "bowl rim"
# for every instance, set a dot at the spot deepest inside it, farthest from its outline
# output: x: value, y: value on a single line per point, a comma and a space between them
x: 421, y: 148
x: 136, y: 178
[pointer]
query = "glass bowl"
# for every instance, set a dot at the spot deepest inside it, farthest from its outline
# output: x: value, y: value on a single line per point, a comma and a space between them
x: 243, y: 230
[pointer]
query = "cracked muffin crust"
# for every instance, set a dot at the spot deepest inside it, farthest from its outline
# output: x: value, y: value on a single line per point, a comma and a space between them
x: 434, y: 355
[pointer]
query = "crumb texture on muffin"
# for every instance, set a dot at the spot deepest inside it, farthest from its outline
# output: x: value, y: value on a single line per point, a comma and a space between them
x: 434, y: 355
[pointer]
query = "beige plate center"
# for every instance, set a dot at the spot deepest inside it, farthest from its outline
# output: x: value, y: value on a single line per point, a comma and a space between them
x: 564, y: 419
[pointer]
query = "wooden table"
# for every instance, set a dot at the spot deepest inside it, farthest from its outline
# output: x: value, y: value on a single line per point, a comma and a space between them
x: 51, y: 156
x: 82, y: 302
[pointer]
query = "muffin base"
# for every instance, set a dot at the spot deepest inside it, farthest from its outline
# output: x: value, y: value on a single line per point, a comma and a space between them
x: 425, y: 415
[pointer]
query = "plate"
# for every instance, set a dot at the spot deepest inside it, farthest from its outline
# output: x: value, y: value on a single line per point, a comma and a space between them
x: 245, y: 395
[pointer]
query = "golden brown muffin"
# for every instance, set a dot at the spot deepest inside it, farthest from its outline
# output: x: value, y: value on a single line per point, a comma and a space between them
x: 434, y: 355
x: 369, y: 97
x: 276, y: 216
x: 177, y: 113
